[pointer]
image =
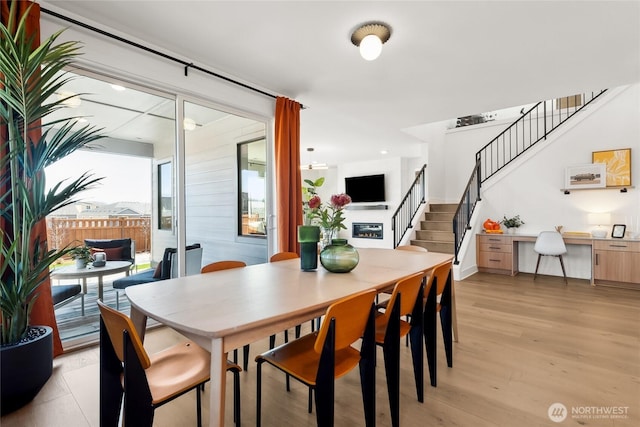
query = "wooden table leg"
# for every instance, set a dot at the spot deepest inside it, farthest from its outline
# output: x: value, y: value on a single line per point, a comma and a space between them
x: 218, y: 383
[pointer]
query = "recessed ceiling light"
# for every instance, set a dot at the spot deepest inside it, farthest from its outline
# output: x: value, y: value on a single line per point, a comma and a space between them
x: 383, y: 151
x: 118, y: 88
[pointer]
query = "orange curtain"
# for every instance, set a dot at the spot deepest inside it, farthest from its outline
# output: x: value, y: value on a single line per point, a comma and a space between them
x: 288, y: 180
x: 42, y: 313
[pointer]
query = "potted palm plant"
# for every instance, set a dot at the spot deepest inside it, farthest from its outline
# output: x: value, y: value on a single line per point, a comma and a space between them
x: 29, y: 80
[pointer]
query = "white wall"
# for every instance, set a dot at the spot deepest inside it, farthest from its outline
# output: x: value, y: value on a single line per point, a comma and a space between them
x: 531, y: 187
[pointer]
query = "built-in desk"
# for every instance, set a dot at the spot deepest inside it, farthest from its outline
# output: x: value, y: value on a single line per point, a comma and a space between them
x: 613, y: 261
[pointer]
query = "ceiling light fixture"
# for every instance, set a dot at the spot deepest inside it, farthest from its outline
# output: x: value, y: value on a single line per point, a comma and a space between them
x: 118, y: 88
x: 188, y: 124
x: 369, y: 38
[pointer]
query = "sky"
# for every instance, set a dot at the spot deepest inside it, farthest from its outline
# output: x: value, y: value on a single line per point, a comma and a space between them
x: 127, y: 178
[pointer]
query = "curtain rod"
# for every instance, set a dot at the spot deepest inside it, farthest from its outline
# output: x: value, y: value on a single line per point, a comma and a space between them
x: 186, y: 64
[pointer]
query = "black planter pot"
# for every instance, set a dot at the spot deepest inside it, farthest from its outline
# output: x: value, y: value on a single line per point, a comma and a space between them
x: 24, y: 369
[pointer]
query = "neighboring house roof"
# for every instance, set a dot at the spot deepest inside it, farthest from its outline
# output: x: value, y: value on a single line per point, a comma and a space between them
x: 101, y: 210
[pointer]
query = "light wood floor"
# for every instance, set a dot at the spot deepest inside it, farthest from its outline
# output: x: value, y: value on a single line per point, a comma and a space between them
x: 523, y: 346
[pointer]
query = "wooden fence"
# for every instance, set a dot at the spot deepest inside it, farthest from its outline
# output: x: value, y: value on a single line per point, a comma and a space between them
x: 72, y: 231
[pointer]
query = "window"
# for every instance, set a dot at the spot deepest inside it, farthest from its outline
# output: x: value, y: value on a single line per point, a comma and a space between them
x: 252, y: 188
x: 165, y: 197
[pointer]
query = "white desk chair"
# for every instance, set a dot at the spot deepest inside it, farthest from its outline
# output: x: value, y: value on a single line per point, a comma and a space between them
x: 550, y: 243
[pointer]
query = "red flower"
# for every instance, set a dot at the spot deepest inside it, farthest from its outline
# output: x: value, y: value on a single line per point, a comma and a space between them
x: 339, y: 201
x: 314, y: 202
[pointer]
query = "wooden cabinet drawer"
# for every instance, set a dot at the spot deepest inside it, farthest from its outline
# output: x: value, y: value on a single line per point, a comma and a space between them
x: 494, y: 239
x: 496, y: 247
x: 497, y: 260
x: 611, y: 245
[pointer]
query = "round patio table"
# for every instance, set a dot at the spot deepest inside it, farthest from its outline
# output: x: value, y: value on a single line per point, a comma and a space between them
x: 71, y: 272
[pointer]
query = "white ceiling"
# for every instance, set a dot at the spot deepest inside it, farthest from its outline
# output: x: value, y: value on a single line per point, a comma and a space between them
x: 444, y: 59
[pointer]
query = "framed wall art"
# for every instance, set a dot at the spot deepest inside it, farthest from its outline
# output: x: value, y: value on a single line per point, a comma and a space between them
x: 591, y: 175
x: 618, y: 165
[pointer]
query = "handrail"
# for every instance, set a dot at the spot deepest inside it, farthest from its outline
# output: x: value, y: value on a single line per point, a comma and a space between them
x: 402, y: 218
x: 530, y: 128
x: 462, y: 217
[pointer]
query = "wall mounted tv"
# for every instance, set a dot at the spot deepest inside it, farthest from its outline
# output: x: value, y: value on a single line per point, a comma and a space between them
x: 368, y: 188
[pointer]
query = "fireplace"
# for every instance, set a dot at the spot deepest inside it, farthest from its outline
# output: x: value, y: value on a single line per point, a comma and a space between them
x: 367, y: 230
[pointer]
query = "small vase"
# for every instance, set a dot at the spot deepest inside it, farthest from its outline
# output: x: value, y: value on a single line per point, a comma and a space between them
x: 308, y: 237
x: 328, y: 235
x: 80, y: 264
x: 339, y: 257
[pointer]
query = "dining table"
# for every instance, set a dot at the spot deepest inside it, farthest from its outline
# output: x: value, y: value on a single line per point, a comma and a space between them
x: 224, y: 310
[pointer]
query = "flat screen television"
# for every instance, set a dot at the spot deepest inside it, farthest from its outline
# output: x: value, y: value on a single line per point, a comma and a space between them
x: 368, y: 188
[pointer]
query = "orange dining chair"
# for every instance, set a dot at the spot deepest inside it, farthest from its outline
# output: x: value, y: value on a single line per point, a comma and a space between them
x: 283, y: 256
x: 148, y: 382
x: 227, y: 265
x: 222, y: 265
x: 320, y: 357
x: 406, y: 299
x: 439, y: 292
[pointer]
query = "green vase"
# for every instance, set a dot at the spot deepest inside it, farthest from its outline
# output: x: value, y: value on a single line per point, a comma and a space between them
x: 339, y: 256
x: 308, y: 236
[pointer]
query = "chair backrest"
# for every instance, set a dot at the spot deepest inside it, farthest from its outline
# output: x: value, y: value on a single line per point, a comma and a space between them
x: 222, y: 265
x: 281, y: 256
x: 193, y: 261
x: 550, y: 243
x: 117, y: 322
x: 412, y: 248
x: 408, y: 289
x: 351, y: 315
x: 441, y: 273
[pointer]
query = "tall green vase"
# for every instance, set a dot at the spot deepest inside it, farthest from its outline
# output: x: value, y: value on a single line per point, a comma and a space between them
x: 308, y: 236
x: 339, y: 256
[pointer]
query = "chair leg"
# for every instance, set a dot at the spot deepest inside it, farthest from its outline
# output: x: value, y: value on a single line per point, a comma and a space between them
x: 272, y: 341
x: 199, y: 406
x: 259, y: 392
x: 117, y: 302
x: 563, y: 272
x: 537, y: 265
x: 245, y: 353
x: 298, y: 330
x: 286, y: 335
x: 391, y: 351
x: 236, y: 397
x: 445, y: 322
x: 235, y: 356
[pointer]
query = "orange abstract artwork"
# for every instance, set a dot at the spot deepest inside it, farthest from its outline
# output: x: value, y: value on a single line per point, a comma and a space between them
x: 618, y: 165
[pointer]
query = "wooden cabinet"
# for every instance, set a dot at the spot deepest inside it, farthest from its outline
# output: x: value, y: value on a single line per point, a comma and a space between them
x: 495, y: 254
x: 616, y: 261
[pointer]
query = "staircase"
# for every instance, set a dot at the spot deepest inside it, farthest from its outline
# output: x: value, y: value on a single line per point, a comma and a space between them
x: 436, y: 229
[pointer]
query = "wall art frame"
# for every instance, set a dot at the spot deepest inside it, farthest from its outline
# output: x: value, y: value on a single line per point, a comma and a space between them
x: 589, y: 175
x: 618, y: 165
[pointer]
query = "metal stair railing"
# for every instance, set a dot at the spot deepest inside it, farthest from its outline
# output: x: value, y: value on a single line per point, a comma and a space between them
x: 462, y: 217
x: 530, y: 128
x: 403, y: 216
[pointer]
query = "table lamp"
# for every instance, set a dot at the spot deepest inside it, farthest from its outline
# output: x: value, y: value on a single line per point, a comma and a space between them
x: 599, y: 219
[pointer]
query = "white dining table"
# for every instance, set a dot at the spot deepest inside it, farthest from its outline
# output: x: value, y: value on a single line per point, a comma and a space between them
x: 225, y: 310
